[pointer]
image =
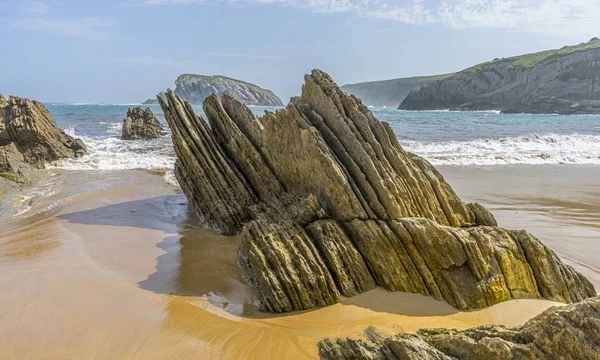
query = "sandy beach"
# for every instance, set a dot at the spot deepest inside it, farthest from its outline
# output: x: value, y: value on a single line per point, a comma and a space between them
x: 110, y: 265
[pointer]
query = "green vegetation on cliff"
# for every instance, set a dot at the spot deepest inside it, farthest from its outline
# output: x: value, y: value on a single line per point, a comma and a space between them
x: 561, y: 81
x: 529, y: 60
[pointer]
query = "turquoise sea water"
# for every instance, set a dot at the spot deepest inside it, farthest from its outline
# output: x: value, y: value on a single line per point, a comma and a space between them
x: 443, y: 137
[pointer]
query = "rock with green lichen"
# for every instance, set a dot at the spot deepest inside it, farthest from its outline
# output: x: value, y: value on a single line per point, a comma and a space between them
x: 568, y: 332
x: 330, y: 205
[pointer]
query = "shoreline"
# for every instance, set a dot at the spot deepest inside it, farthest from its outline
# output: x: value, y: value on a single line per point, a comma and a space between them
x: 111, y: 265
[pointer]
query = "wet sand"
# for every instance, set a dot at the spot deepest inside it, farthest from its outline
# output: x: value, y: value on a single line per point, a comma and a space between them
x: 109, y: 265
x: 560, y: 204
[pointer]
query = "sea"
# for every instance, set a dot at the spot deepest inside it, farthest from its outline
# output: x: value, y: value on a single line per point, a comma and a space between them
x: 485, y: 138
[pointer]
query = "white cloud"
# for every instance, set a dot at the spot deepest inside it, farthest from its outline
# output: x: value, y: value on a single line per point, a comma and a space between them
x: 86, y: 27
x: 414, y: 13
x: 555, y: 17
x: 37, y: 7
x: 568, y: 18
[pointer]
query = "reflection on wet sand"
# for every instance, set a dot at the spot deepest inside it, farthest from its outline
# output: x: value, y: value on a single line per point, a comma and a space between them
x: 200, y: 263
x: 132, y: 275
x: 32, y: 242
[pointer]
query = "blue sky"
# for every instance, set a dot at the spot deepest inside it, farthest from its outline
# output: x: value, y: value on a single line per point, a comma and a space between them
x: 124, y: 51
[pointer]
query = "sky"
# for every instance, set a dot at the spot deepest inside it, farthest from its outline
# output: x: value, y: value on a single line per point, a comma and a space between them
x: 125, y: 51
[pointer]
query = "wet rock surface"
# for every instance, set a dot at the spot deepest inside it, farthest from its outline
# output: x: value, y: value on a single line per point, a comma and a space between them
x: 330, y: 205
x: 30, y: 138
x: 141, y: 125
x: 568, y: 332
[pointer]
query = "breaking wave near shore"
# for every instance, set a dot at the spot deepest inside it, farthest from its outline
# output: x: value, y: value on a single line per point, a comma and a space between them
x: 443, y: 138
x: 526, y: 149
x: 112, y: 153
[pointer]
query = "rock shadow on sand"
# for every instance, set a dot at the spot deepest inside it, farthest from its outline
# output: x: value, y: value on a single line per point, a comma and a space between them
x: 198, y: 262
x: 162, y: 213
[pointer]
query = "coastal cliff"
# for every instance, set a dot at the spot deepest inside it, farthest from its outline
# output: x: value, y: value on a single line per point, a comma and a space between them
x: 195, y: 88
x: 389, y: 93
x: 564, y: 81
x: 330, y: 205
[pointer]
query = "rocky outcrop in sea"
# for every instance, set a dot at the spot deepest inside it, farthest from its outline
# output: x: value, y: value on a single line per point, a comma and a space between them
x: 196, y: 88
x: 329, y: 205
x: 562, y: 81
x: 30, y: 138
x: 568, y: 332
x: 141, y: 125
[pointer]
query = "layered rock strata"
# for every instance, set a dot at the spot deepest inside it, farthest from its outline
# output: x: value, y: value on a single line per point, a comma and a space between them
x: 141, y: 125
x: 330, y: 205
x: 569, y: 332
x: 563, y: 81
x: 30, y: 138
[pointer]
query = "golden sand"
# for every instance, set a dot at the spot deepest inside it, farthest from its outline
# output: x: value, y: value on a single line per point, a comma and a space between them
x: 108, y: 265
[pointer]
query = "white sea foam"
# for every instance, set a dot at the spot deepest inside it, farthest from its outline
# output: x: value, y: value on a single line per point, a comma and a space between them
x: 170, y: 178
x: 96, y: 104
x: 116, y: 154
x: 114, y: 128
x: 527, y: 149
x: 111, y: 153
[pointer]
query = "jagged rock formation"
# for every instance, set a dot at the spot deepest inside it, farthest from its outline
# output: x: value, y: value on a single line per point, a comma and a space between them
x: 29, y: 138
x: 141, y: 125
x: 389, y: 93
x: 569, y: 332
x: 330, y: 205
x: 563, y: 81
x: 196, y: 88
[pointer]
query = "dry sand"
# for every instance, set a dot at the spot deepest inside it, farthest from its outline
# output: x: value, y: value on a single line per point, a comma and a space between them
x: 109, y: 265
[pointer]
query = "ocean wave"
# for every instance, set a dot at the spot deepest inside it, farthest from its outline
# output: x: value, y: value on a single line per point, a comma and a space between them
x: 114, y: 128
x: 111, y: 153
x: 526, y: 149
x: 170, y: 178
x: 95, y: 104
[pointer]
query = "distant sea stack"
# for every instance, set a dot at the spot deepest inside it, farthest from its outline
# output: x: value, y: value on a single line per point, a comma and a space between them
x: 329, y: 205
x: 389, y: 93
x: 196, y: 88
x: 563, y: 81
x: 141, y: 125
x: 30, y: 138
